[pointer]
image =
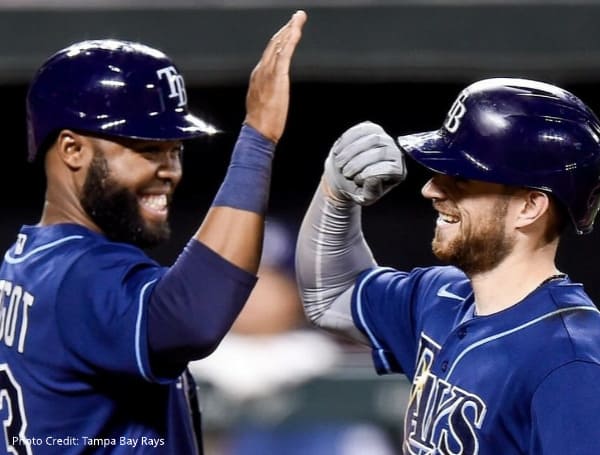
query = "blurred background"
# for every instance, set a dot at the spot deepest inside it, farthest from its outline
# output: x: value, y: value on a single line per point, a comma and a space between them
x: 276, y: 388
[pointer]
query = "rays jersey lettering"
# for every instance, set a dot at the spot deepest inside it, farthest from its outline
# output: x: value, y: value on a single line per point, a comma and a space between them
x: 441, y: 418
x: 456, y: 113
x: 175, y: 82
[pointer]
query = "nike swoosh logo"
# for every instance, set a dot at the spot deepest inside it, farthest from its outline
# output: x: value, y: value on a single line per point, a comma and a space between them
x: 443, y: 292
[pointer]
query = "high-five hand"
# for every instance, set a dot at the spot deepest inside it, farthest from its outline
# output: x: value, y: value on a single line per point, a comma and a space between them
x: 267, y: 100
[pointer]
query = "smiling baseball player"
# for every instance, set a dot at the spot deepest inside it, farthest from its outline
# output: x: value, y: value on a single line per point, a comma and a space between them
x: 502, y: 348
x: 95, y: 336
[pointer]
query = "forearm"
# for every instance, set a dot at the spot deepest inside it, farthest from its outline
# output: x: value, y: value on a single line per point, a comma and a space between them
x: 195, y: 303
x: 233, y: 227
x: 234, y: 234
x: 331, y: 253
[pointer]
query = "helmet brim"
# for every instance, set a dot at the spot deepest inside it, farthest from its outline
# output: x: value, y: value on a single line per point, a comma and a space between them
x: 433, y: 150
x: 189, y: 127
x: 163, y: 127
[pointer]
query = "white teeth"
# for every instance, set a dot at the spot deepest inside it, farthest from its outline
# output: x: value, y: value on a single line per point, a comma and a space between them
x: 445, y: 218
x: 156, y: 202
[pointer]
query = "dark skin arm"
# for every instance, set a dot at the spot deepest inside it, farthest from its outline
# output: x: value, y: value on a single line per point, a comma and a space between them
x: 237, y: 234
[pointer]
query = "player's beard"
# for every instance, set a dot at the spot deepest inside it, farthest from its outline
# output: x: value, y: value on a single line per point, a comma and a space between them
x: 115, y: 209
x: 480, y: 246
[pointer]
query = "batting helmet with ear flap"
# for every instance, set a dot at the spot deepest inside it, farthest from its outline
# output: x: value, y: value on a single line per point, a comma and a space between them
x: 519, y: 132
x: 110, y: 87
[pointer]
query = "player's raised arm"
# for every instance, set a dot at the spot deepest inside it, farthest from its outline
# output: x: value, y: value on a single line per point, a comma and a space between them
x: 108, y: 119
x: 234, y: 225
x: 195, y: 303
x: 363, y: 165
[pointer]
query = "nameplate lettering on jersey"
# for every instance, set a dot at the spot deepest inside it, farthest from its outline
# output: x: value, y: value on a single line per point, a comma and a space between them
x: 441, y: 418
x: 15, y: 303
x: 20, y: 243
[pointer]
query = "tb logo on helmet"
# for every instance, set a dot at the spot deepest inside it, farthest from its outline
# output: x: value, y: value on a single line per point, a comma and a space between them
x: 176, y: 84
x: 456, y: 112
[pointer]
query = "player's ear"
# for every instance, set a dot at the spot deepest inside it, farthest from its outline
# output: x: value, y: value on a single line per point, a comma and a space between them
x: 69, y: 146
x: 534, y: 206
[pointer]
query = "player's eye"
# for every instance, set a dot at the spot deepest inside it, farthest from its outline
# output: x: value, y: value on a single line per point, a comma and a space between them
x: 152, y: 151
x: 459, y: 180
x: 149, y: 149
x: 176, y: 152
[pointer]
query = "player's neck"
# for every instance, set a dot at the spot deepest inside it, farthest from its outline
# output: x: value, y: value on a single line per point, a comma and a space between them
x: 54, y: 213
x: 511, y: 281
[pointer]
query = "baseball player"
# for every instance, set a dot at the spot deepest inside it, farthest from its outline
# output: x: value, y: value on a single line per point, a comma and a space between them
x: 95, y: 336
x: 502, y: 348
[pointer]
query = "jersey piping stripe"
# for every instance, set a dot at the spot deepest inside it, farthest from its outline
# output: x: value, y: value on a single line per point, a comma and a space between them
x: 12, y: 260
x: 359, y: 310
x: 513, y: 330
x: 138, y: 328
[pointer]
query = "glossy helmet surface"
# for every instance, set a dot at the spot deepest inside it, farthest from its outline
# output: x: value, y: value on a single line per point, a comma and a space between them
x: 519, y: 132
x: 110, y: 87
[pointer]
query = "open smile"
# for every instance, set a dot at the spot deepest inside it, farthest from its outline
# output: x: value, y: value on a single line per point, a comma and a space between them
x: 155, y: 205
x: 446, y: 218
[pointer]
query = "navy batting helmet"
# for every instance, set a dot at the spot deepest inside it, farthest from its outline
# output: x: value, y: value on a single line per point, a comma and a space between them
x: 111, y: 87
x: 519, y: 132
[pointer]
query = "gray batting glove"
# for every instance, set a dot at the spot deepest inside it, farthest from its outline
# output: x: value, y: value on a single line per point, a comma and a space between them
x: 364, y: 164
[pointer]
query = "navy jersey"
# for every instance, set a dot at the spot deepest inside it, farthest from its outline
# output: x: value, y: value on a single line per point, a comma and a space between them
x: 75, y: 375
x: 522, y: 381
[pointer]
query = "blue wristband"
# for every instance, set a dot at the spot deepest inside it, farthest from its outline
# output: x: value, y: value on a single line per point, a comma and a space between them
x: 248, y: 180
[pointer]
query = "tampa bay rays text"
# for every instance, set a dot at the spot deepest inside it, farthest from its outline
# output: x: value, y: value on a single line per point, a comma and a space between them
x: 88, y: 441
